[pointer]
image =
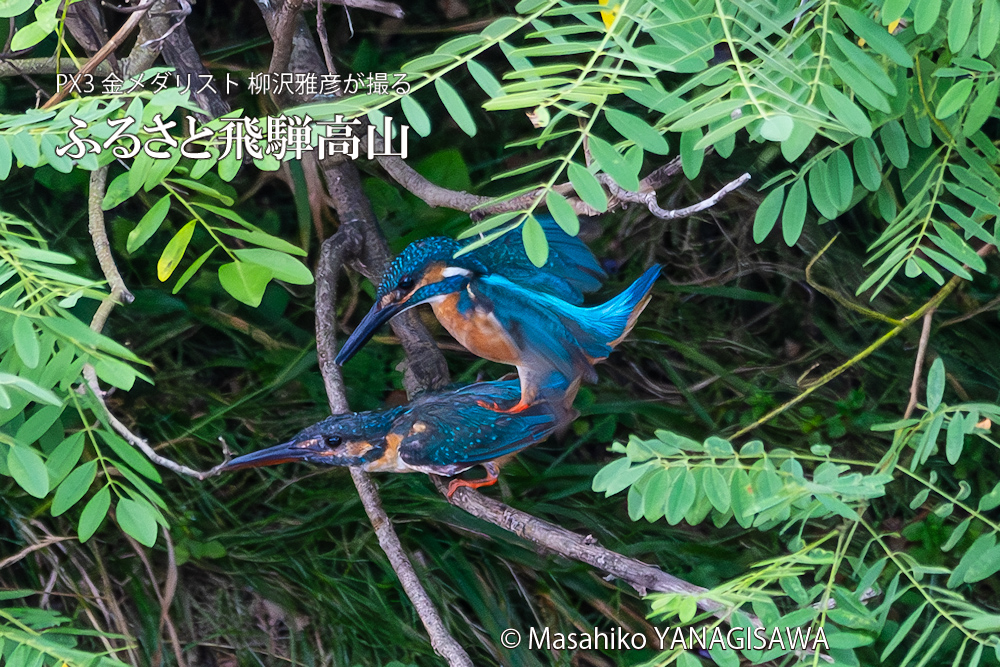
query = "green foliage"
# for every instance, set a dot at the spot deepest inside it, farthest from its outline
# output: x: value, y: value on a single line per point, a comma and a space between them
x: 678, y: 479
x: 36, y: 637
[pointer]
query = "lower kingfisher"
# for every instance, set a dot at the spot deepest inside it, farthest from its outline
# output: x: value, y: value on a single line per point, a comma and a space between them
x: 443, y: 433
x: 503, y: 316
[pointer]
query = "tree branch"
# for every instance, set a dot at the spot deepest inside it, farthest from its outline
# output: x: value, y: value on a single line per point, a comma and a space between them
x: 119, y: 292
x: 379, y: 6
x: 918, y: 364
x: 648, y: 199
x: 282, y: 35
x: 105, y: 51
x: 335, y: 251
x: 44, y: 66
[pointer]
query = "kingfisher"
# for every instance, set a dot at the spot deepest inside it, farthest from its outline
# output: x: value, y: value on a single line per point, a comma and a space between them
x: 443, y: 433
x: 506, y: 310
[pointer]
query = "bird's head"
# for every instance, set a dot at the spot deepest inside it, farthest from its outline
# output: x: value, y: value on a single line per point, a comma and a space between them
x: 425, y: 271
x: 337, y: 441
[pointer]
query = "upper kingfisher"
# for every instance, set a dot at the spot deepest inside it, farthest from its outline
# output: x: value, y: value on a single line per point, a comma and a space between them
x: 443, y: 433
x: 502, y: 308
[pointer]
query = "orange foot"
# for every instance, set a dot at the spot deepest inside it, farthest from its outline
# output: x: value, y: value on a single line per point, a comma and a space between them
x: 456, y: 484
x: 520, y: 407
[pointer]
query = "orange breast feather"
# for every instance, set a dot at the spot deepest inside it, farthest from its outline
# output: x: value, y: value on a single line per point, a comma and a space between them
x: 480, y: 332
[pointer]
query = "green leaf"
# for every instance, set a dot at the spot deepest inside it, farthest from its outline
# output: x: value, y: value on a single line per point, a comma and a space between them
x: 796, y: 144
x: 777, y: 127
x: 989, y: 27
x: 953, y: 244
x: 535, y: 244
x: 959, y: 24
x: 116, y: 373
x: 846, y: 111
x: 867, y: 163
x: 840, y: 179
x: 562, y: 212
x: 130, y: 456
x: 767, y: 214
x: 864, y: 63
x: 587, y: 187
x: 956, y: 535
x: 819, y: 191
x: 262, y: 239
x: 149, y: 224
x: 191, y: 270
x: 717, y: 489
x: 485, y: 79
x: 897, y: 148
x: 953, y: 99
x: 283, y: 266
x: 39, y: 394
x: 64, y: 458
x: 244, y: 281
x: 925, y: 15
x: 93, y: 513
x: 26, y: 341
x: 117, y: 192
x: 954, y: 439
x: 638, y: 130
x: 680, y: 498
x: 74, y: 487
x: 456, y: 106
x: 29, y: 36
x: 138, y: 519
x: 415, y: 115
x: 935, y: 385
x: 860, y: 85
x: 202, y: 188
x: 174, y: 251
x: 28, y: 470
x: 876, y: 36
x: 12, y: 8
x: 892, y: 10
x: 794, y: 216
x: 982, y: 106
x: 691, y: 157
x: 5, y: 159
x: 25, y: 147
x: 614, y: 164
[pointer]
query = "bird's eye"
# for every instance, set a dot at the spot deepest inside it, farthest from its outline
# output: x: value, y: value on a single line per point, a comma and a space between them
x: 332, y: 440
x: 405, y: 283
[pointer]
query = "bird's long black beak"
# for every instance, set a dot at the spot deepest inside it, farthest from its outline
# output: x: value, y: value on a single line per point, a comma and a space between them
x: 371, y: 322
x: 287, y: 452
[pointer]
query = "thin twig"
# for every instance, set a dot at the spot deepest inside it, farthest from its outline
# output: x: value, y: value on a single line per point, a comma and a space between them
x: 48, y: 541
x: 836, y: 296
x: 332, y: 256
x: 918, y: 365
x: 648, y: 199
x: 904, y: 323
x: 379, y: 6
x: 116, y: 40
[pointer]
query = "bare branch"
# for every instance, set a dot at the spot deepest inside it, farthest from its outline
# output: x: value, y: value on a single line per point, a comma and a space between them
x: 106, y: 50
x: 119, y: 292
x: 918, y: 364
x: 284, y: 31
x: 648, y: 199
x: 48, y: 541
x: 643, y: 577
x: 379, y: 6
x: 335, y: 250
x: 44, y: 66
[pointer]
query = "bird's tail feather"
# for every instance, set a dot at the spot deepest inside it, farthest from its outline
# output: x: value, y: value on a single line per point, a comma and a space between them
x: 615, y: 318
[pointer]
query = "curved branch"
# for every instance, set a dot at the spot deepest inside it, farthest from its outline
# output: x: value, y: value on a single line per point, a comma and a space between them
x: 336, y: 249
